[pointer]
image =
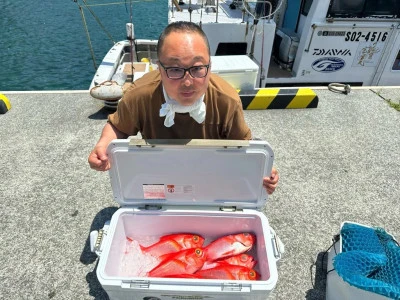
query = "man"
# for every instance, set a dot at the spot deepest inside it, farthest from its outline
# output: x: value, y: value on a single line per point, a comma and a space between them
x: 181, y: 100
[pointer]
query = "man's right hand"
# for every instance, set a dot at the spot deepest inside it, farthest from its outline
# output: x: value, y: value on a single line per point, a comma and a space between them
x: 98, y: 159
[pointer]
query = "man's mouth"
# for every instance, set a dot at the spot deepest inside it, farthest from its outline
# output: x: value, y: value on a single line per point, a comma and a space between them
x: 187, y: 93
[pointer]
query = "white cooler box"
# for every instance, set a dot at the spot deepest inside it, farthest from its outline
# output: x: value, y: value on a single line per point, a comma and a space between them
x: 239, y: 70
x: 211, y: 188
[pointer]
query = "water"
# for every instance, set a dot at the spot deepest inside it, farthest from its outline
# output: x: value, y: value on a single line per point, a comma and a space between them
x: 44, y: 46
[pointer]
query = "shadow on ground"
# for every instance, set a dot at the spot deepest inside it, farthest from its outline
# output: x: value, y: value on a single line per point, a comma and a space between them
x: 319, y: 280
x: 101, y: 114
x: 88, y: 257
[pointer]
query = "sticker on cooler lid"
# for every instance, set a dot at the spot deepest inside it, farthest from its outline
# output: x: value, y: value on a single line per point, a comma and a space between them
x: 154, y: 191
x: 173, y: 189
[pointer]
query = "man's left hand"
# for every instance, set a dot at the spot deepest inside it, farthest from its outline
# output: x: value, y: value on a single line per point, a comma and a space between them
x: 270, y: 183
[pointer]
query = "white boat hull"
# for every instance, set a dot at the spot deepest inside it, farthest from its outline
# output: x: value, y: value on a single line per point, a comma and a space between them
x: 321, y: 50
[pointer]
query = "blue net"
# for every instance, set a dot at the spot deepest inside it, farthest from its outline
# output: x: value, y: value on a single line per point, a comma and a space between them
x: 370, y: 260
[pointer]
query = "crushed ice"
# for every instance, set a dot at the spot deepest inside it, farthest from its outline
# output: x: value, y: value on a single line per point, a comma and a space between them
x: 134, y: 262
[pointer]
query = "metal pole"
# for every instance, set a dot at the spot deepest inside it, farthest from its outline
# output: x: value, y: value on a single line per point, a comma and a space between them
x: 216, y: 15
x: 131, y: 42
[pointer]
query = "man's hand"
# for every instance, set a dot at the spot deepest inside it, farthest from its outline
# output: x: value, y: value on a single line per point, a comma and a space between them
x: 270, y: 183
x: 98, y: 159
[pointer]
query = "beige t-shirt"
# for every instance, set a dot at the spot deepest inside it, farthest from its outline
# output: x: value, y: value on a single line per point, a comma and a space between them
x: 139, y: 111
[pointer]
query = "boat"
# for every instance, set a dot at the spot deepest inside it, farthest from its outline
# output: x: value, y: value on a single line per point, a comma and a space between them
x: 119, y: 68
x: 263, y: 44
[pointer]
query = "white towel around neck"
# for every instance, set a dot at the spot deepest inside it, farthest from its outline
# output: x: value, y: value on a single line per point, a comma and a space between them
x: 168, y: 109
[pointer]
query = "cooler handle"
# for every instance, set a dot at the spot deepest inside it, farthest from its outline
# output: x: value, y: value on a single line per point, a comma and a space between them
x: 97, y: 239
x: 278, y: 246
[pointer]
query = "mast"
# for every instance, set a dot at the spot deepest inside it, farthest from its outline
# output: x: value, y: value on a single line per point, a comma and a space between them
x: 130, y: 36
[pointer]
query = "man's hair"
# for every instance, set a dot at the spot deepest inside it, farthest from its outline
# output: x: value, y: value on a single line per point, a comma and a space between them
x: 181, y: 26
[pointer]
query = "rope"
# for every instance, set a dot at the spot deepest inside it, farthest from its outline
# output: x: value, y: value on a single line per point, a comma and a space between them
x: 339, y: 88
x: 98, y: 21
x: 264, y: 17
x: 88, y: 37
x: 116, y: 3
x: 104, y: 4
x: 86, y: 5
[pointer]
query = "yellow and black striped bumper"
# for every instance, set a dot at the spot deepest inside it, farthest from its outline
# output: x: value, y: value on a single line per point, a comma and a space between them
x: 275, y: 98
x: 5, y: 105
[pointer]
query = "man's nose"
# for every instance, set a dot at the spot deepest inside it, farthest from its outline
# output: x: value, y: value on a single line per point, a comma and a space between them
x: 187, y: 78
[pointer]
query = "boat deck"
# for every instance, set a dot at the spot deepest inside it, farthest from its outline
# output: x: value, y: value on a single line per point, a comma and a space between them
x: 136, y: 69
x: 338, y: 162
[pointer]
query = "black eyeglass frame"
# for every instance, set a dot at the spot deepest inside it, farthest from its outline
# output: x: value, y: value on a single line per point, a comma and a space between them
x: 184, y: 70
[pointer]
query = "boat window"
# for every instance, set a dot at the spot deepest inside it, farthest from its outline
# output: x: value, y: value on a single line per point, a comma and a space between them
x: 306, y: 7
x: 364, y: 9
x: 396, y: 65
x: 231, y: 49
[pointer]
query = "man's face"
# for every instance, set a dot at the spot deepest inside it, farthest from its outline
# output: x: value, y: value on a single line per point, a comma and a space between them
x: 184, y: 50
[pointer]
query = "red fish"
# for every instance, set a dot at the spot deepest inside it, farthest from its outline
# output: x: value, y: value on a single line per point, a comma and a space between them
x: 186, y: 276
x: 173, y: 243
x: 229, y: 272
x: 243, y: 259
x: 229, y: 245
x: 183, y: 262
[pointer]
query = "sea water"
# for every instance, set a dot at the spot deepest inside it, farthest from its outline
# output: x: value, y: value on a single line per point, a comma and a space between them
x: 43, y: 44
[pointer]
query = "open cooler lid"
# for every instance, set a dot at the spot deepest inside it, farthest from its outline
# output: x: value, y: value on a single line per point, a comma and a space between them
x: 219, y: 173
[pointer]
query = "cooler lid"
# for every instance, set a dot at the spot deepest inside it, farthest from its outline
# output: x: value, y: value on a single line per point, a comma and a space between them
x: 189, y: 172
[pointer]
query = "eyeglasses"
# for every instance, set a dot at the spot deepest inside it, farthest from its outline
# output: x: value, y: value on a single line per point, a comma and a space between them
x: 178, y: 73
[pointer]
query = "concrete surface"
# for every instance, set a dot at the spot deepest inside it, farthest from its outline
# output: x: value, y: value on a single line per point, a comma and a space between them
x: 338, y: 162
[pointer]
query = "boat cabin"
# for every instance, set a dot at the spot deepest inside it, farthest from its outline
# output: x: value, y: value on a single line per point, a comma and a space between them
x: 308, y: 42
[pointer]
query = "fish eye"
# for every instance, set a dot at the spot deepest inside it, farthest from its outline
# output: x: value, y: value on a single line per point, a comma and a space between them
x: 243, y: 257
x: 198, y: 251
x: 252, y: 274
x: 196, y: 238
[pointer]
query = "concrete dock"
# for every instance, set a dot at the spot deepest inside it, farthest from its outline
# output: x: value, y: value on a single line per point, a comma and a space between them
x: 337, y: 162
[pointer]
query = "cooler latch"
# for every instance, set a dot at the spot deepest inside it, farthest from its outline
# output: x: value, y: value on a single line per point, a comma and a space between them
x: 135, y: 284
x: 232, y: 287
x: 229, y: 208
x: 152, y: 207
